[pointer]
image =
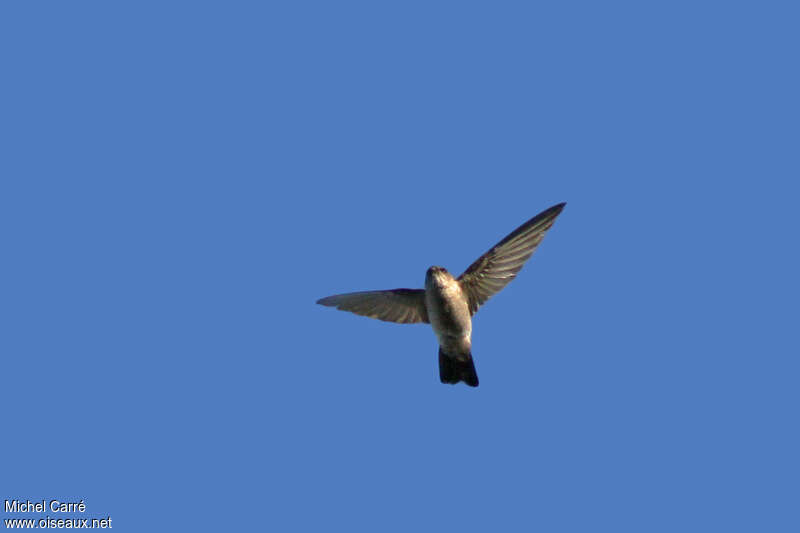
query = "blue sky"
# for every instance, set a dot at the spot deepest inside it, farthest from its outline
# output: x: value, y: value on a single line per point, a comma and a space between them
x: 183, y: 180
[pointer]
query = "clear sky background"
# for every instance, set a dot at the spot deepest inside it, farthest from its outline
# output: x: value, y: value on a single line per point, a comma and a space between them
x: 181, y: 182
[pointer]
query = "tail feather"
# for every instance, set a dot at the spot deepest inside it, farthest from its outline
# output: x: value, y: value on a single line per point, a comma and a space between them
x: 455, y: 368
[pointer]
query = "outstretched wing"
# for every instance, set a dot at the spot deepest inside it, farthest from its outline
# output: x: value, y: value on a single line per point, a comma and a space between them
x: 404, y: 306
x: 496, y: 268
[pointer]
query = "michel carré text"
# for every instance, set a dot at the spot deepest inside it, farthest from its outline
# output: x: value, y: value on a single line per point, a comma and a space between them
x: 55, y: 506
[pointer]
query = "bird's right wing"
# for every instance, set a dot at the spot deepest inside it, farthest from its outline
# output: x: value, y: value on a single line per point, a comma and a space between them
x: 496, y: 268
x: 404, y: 306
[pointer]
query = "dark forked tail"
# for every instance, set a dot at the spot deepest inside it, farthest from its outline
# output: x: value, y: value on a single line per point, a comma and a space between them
x: 455, y: 368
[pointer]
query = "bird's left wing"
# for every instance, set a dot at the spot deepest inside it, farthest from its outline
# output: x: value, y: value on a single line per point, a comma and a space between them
x: 404, y: 306
x: 496, y: 268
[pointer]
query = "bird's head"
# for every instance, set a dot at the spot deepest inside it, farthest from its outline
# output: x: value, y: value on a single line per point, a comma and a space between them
x: 437, y: 275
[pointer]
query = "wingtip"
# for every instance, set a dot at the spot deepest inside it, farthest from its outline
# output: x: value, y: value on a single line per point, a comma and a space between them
x: 555, y: 210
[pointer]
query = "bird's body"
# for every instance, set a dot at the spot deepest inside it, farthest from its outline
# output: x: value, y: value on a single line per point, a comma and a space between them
x: 448, y: 312
x: 448, y: 303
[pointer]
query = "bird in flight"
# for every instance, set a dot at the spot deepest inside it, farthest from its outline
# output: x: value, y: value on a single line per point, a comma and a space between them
x: 448, y: 303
